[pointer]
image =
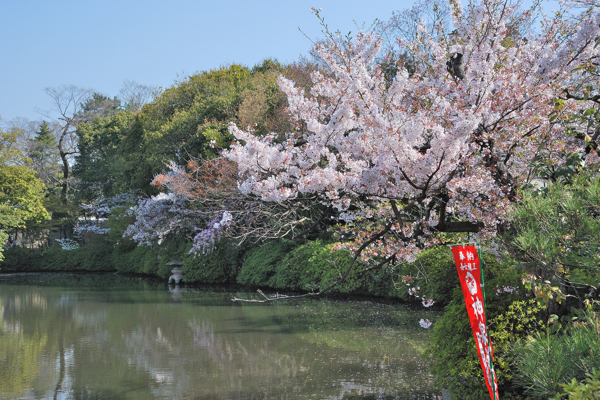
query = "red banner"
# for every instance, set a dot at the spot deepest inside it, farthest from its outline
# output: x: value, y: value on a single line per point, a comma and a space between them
x: 469, y: 273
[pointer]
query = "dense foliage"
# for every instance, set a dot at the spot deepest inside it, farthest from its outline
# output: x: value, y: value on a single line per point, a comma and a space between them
x: 555, y: 237
x: 21, y: 191
x: 547, y: 361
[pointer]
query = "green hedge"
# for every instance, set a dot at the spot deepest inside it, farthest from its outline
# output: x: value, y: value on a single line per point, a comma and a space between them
x: 279, y: 264
x: 148, y: 260
x: 90, y: 258
x: 313, y: 266
x: 219, y: 266
x: 262, y: 262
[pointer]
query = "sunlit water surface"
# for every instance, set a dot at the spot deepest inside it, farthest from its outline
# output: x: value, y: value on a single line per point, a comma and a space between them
x: 66, y: 336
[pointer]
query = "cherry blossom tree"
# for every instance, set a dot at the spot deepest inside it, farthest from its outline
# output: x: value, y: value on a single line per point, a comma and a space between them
x: 440, y: 149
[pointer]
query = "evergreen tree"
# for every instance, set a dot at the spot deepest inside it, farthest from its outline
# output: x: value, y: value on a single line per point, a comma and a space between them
x: 43, y: 152
x: 44, y: 135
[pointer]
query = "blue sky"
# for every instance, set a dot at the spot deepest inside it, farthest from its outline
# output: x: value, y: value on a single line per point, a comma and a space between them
x: 100, y: 44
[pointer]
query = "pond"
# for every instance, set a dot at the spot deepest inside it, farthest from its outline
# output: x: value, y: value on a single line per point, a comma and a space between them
x: 69, y: 336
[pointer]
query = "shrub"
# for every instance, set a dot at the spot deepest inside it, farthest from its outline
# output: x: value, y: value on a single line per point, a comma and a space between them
x: 290, y: 272
x: 127, y: 257
x: 94, y: 258
x: 219, y: 266
x: 434, y: 272
x: 148, y: 260
x: 325, y: 267
x: 590, y: 389
x: 262, y: 261
x: 22, y: 259
x: 313, y: 266
x: 90, y: 258
x: 510, y: 316
x: 547, y: 361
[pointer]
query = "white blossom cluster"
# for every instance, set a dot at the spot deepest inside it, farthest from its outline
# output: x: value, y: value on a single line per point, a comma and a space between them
x: 506, y: 289
x: 68, y: 244
x: 96, y: 213
x: 95, y: 229
x: 158, y: 217
x: 425, y: 323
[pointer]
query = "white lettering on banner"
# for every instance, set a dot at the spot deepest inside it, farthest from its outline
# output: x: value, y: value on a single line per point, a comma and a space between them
x: 478, y: 309
x: 471, y: 283
x: 468, y: 266
x: 484, y: 350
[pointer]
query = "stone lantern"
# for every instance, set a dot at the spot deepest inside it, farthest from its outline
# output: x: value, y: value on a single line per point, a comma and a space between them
x: 177, y: 275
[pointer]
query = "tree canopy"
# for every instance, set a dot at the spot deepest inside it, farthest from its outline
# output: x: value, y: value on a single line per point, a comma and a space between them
x: 21, y: 192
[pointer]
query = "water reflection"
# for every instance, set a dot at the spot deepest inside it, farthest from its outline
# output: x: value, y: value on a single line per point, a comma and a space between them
x: 105, y: 337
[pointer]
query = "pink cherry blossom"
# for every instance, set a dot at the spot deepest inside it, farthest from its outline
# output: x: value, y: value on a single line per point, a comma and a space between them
x: 397, y: 158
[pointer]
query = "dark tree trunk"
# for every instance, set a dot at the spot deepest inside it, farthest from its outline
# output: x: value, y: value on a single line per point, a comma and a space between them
x: 64, y: 194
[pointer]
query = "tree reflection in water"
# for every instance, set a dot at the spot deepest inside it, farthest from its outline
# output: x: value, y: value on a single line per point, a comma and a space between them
x: 105, y: 337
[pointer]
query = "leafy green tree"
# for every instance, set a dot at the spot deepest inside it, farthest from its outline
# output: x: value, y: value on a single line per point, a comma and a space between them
x: 100, y: 164
x: 99, y: 106
x: 21, y: 197
x: 10, y: 153
x: 21, y: 192
x: 173, y: 122
x: 125, y: 150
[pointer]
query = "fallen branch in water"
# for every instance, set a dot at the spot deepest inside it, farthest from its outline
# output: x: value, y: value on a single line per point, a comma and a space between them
x: 276, y: 297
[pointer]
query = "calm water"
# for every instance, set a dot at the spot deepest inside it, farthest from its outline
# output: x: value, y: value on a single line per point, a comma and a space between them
x: 110, y: 337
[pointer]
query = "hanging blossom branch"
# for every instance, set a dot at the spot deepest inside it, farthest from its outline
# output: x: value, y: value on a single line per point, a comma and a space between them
x: 210, y: 188
x: 206, y: 239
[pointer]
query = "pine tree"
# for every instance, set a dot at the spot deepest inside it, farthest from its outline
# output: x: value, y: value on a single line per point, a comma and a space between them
x: 44, y: 135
